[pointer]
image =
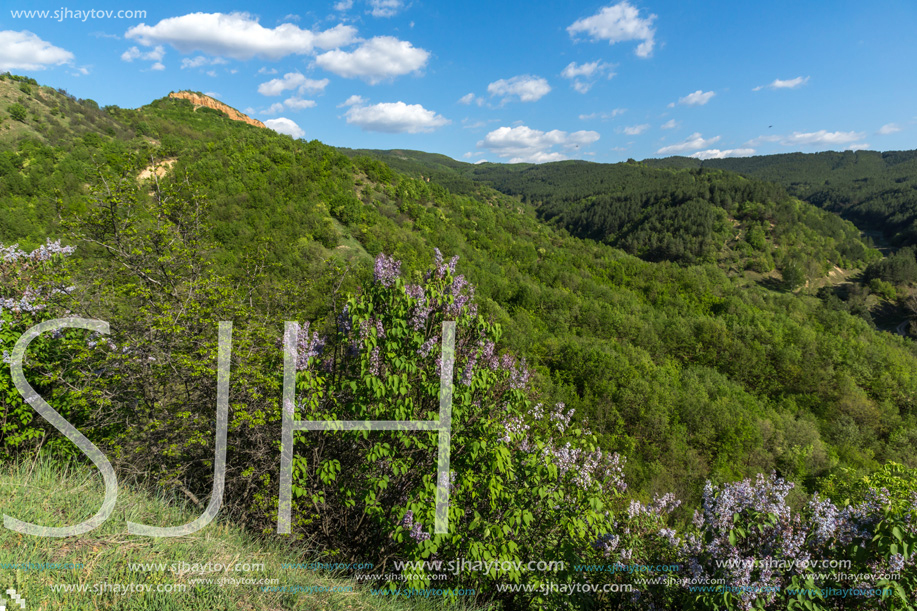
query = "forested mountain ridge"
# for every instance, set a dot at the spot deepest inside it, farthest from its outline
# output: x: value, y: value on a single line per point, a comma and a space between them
x: 876, y: 190
x: 685, y: 216
x: 690, y: 372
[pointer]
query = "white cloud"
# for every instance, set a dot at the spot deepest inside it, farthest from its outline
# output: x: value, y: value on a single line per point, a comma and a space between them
x: 469, y: 98
x: 238, y: 35
x: 285, y: 126
x: 266, y: 70
x: 131, y: 54
x: 582, y: 86
x: 385, y: 8
x: 604, y: 116
x: 343, y: 5
x: 821, y: 138
x: 200, y: 60
x: 525, y: 87
x: 523, y: 144
x: 354, y: 99
x: 291, y: 81
x: 792, y: 83
x: 588, y: 70
x: 698, y: 98
x: 154, y: 55
x: 858, y: 147
x: 670, y: 124
x: 395, y: 118
x: 889, y: 128
x: 376, y: 60
x: 618, y: 23
x: 718, y: 154
x: 161, y: 66
x: 26, y: 51
x: 298, y: 103
x: 584, y: 75
x: 692, y: 143
x: 273, y: 110
x: 636, y: 130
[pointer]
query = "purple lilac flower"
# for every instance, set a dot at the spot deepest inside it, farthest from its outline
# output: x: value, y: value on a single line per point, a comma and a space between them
x: 307, y: 347
x: 375, y: 361
x: 386, y: 270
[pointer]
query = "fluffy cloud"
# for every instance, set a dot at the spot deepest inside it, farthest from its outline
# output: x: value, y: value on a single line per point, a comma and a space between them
x: 291, y: 81
x: 862, y: 146
x: 698, y: 98
x: 26, y: 51
x: 584, y: 75
x: 889, y: 128
x: 469, y: 98
x: 354, y: 99
x: 792, y: 83
x: 298, y: 103
x: 718, y: 154
x: 238, y: 35
x: 343, y: 5
x: 670, y: 124
x: 636, y: 130
x: 523, y: 144
x: 395, y: 118
x: 385, y: 8
x: 692, y: 143
x: 618, y: 23
x: 285, y: 126
x: 375, y: 60
x: 525, y: 87
x: 155, y: 56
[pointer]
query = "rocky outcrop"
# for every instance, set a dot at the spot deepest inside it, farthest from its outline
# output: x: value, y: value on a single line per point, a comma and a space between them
x: 207, y: 102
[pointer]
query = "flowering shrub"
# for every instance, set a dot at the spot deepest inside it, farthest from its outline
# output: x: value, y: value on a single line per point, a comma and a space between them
x: 526, y: 481
x: 765, y: 556
x: 33, y: 286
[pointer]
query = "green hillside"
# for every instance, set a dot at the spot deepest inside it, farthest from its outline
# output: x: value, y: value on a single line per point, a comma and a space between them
x: 672, y: 357
x: 686, y: 216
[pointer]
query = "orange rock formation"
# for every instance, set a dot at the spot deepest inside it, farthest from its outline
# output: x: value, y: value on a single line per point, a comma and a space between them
x: 208, y: 102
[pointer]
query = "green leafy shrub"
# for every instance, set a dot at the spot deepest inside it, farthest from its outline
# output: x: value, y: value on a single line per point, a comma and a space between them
x: 17, y: 112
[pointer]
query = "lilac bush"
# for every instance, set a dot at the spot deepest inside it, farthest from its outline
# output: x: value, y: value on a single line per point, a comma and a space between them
x: 527, y: 481
x: 34, y: 286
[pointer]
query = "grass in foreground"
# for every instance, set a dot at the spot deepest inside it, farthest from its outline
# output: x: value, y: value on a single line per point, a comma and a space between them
x: 98, y: 562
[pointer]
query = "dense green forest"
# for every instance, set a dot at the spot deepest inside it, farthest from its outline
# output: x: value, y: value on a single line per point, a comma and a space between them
x: 874, y: 189
x: 624, y: 288
x: 679, y: 209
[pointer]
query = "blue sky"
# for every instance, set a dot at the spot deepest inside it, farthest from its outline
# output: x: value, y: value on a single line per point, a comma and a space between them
x: 505, y: 81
